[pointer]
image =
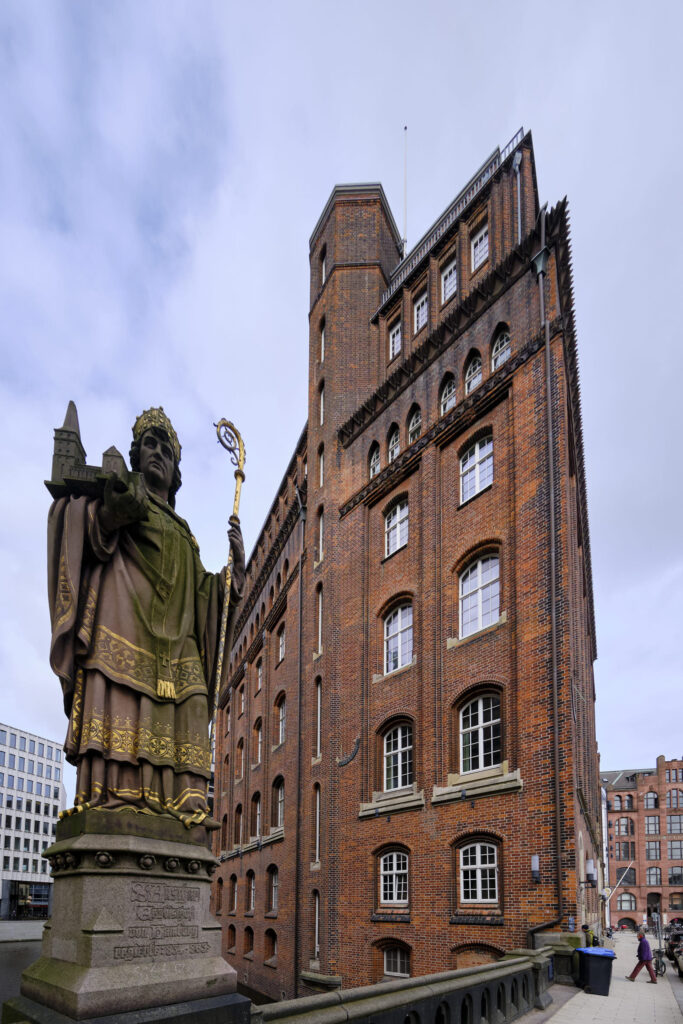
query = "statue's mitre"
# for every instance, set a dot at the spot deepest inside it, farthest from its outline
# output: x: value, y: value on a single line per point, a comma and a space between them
x: 157, y: 418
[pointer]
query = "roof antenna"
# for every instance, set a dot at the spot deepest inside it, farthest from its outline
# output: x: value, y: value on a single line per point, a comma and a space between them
x: 405, y: 190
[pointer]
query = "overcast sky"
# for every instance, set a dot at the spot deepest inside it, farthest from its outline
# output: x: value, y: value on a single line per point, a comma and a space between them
x: 162, y: 166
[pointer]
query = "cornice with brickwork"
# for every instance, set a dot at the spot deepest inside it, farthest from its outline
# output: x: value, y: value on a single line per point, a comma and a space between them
x: 455, y: 422
x: 455, y: 324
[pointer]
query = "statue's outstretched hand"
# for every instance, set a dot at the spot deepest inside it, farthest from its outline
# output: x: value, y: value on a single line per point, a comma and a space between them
x: 238, y: 562
x: 121, y: 504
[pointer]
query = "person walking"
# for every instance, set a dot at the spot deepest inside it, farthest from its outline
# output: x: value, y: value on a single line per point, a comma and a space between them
x: 644, y: 959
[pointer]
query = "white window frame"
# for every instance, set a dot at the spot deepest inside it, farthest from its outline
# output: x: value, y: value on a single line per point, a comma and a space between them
x: 473, y: 374
x: 318, y: 717
x: 281, y: 646
x: 322, y: 404
x: 478, y: 873
x: 476, y: 468
x: 322, y: 342
x: 251, y: 892
x: 394, y: 447
x: 258, y: 729
x: 316, y: 925
x: 281, y: 719
x: 259, y: 674
x: 449, y: 280
x: 396, y: 528
x: 273, y: 885
x: 398, y: 638
x: 396, y: 962
x: 317, y: 809
x: 375, y: 460
x: 420, y: 311
x: 480, y: 247
x: 479, y: 589
x: 320, y: 619
x: 321, y: 468
x: 393, y: 878
x: 480, y: 733
x: 279, y: 804
x: 501, y: 351
x: 415, y: 426
x: 257, y: 815
x: 395, y: 339
x: 321, y: 534
x: 397, y: 749
x: 448, y: 397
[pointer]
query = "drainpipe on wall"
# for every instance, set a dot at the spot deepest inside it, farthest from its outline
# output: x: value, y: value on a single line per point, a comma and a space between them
x: 297, y: 892
x: 540, y: 264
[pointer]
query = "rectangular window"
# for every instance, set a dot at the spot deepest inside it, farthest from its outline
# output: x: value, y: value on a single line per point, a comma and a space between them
x: 480, y: 247
x: 396, y: 528
x: 449, y: 280
x: 318, y: 718
x: 41, y: 750
x: 651, y: 824
x: 652, y: 850
x: 49, y: 752
x: 421, y: 310
x: 31, y: 767
x: 22, y: 743
x: 12, y: 739
x: 12, y: 762
x: 31, y: 746
x: 22, y: 764
x: 394, y: 339
x: 478, y: 874
x: 674, y: 823
x: 675, y: 849
x: 676, y: 874
x: 3, y: 736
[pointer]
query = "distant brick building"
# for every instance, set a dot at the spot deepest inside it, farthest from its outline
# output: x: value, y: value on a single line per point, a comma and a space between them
x: 406, y: 762
x: 645, y: 843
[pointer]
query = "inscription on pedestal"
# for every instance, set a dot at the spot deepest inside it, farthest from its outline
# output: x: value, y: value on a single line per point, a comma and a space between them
x: 158, y: 911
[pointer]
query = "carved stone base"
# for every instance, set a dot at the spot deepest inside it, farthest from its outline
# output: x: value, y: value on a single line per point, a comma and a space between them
x: 130, y: 925
x: 230, y: 1009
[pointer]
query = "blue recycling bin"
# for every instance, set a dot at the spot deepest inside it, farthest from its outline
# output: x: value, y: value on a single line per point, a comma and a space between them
x: 595, y: 969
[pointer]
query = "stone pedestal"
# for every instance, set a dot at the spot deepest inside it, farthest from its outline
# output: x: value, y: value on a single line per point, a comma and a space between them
x: 130, y: 925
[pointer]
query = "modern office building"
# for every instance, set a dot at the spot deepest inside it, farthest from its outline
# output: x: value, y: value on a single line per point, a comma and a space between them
x: 645, y: 843
x: 407, y: 774
x: 32, y: 795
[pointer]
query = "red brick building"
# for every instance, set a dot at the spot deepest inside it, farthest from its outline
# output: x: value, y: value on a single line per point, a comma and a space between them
x: 645, y: 843
x: 407, y: 770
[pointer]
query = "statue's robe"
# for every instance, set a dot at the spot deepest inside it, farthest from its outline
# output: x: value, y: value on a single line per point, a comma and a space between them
x: 135, y: 628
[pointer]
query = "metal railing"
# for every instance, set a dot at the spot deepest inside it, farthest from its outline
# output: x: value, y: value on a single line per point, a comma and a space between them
x: 461, y: 201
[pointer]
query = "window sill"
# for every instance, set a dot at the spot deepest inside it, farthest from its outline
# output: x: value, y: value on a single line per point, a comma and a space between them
x: 248, y: 956
x: 274, y: 836
x: 276, y: 747
x: 317, y: 654
x: 255, y: 766
x: 395, y: 672
x: 312, y: 977
x: 467, y: 501
x: 231, y: 951
x: 271, y: 962
x: 387, y: 917
x: 387, y: 557
x: 391, y: 803
x: 248, y: 913
x: 272, y: 914
x: 473, y: 785
x: 455, y: 641
x: 318, y: 562
x: 463, y: 917
x: 317, y: 759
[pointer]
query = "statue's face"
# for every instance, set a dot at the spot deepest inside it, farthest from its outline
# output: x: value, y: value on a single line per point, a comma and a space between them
x: 156, y: 461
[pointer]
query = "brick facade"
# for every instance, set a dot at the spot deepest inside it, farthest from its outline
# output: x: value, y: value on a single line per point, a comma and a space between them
x: 645, y: 830
x: 404, y: 846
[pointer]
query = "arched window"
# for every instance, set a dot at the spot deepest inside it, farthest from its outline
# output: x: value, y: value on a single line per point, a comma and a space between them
x: 322, y: 340
x: 393, y: 877
x: 232, y: 938
x: 255, y: 830
x: 396, y: 962
x: 653, y: 876
x: 280, y: 718
x: 259, y: 675
x: 239, y: 759
x: 396, y: 527
x: 219, y: 896
x: 258, y: 740
x: 414, y: 425
x: 626, y: 901
x: 479, y: 595
x: 374, y: 460
x: 278, y: 803
x: 273, y: 885
x: 321, y: 465
x: 447, y: 397
x: 473, y: 374
x: 676, y: 901
x: 479, y: 873
x: 316, y: 822
x: 270, y: 945
x: 317, y: 744
x: 251, y: 892
x: 398, y: 757
x: 651, y: 801
x: 321, y: 534
x: 248, y: 941
x: 501, y: 349
x: 238, y: 825
x: 224, y: 832
x: 616, y: 803
x: 233, y: 893
x: 628, y: 802
x: 281, y: 643
x: 394, y: 444
x: 398, y: 638
x: 476, y: 468
x: 316, y: 924
x: 319, y: 596
x: 321, y: 398
x: 480, y: 733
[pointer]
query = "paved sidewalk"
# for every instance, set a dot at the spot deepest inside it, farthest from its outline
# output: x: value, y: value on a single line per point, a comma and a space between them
x: 628, y: 1002
x: 20, y: 931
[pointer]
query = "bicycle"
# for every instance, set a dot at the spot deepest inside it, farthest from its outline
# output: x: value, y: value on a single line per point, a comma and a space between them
x: 659, y: 963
